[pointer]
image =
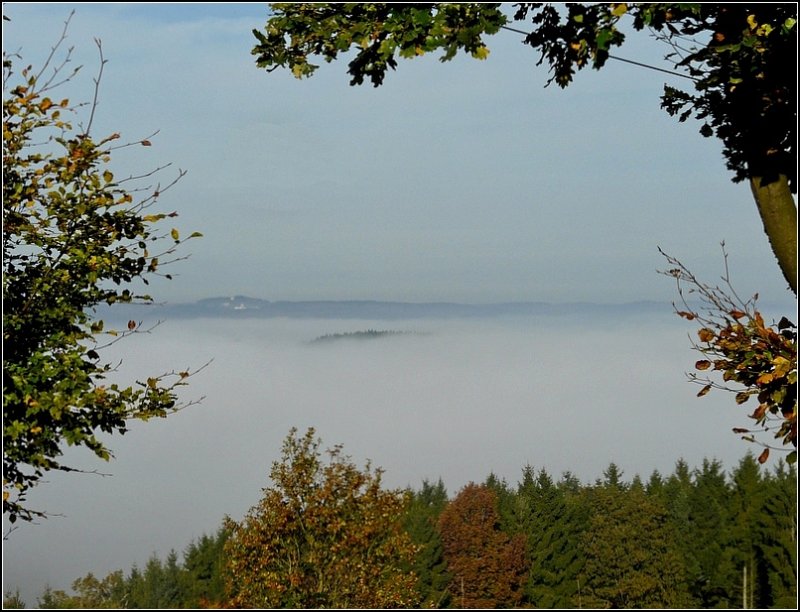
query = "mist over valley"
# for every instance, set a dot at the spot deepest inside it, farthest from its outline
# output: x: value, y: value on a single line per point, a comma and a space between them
x: 454, y: 397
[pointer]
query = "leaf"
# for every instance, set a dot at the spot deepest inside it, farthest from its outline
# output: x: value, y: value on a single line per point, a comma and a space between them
x: 751, y: 21
x: 705, y: 334
x: 146, y: 143
x: 763, y: 456
x: 741, y: 398
x: 481, y: 52
x: 618, y: 10
x: 174, y: 234
x: 704, y: 391
x: 737, y: 314
x: 151, y: 382
x: 703, y: 364
x: 765, y: 378
x: 131, y: 325
x: 780, y: 362
x: 686, y: 315
x: 740, y: 430
x: 45, y: 104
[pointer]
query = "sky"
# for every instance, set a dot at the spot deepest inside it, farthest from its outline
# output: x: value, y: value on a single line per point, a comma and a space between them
x: 464, y: 182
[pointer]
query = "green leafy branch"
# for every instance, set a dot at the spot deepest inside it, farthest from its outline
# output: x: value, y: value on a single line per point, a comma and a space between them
x: 73, y: 238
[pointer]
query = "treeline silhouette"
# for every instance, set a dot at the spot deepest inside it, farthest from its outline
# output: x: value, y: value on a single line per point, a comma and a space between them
x: 361, y: 335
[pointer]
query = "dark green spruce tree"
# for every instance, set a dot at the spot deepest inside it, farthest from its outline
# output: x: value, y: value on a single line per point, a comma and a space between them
x: 631, y: 557
x: 553, y: 525
x: 204, y: 565
x: 675, y: 494
x: 429, y: 564
x: 778, y: 535
x: 709, y: 527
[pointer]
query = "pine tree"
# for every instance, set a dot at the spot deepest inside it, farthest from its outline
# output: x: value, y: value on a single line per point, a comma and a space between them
x: 204, y: 563
x: 778, y: 536
x: 676, y: 495
x: 506, y: 504
x: 553, y: 535
x: 612, y: 477
x: 153, y: 583
x: 135, y: 596
x: 655, y: 485
x: 429, y: 563
x: 631, y: 557
x: 716, y: 580
x: 747, y: 501
x: 173, y: 590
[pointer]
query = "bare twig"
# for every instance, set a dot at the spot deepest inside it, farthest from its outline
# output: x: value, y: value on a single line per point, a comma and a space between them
x: 136, y: 142
x: 96, y: 81
x: 55, y: 47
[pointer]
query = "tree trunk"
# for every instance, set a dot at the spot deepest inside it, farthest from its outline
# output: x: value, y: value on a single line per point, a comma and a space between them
x: 779, y: 214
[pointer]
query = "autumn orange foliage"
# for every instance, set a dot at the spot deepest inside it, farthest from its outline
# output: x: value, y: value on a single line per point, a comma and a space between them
x: 324, y: 536
x: 487, y: 565
x: 735, y: 341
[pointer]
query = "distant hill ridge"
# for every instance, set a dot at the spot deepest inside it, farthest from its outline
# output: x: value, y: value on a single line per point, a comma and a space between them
x: 240, y: 306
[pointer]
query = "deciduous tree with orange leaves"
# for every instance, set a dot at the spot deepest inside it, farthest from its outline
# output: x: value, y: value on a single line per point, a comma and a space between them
x: 488, y: 567
x: 325, y: 535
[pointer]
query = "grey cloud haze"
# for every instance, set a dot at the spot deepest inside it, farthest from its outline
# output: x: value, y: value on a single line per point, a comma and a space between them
x: 466, y: 398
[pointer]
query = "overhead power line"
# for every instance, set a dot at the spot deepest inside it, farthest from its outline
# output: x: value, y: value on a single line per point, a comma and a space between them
x: 621, y: 59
